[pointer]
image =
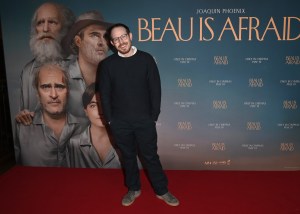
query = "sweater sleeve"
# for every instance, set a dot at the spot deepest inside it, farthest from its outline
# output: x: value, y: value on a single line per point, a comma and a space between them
x: 155, y: 89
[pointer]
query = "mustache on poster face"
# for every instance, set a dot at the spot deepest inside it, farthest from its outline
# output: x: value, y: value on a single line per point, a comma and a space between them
x: 45, y: 35
x: 54, y: 101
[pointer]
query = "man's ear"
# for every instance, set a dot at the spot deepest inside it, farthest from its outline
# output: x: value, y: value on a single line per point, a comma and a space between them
x: 112, y: 43
x: 77, y: 40
x: 130, y: 36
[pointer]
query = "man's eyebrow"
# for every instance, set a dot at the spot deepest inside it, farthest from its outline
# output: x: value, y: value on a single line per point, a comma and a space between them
x: 55, y: 85
x: 59, y: 84
x: 39, y: 20
x: 95, y: 33
x: 45, y: 84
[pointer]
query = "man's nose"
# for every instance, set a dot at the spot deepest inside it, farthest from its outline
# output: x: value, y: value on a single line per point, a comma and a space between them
x: 53, y: 92
x: 46, y: 27
x: 101, y: 41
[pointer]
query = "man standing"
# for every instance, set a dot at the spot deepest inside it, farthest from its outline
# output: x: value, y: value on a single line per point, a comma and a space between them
x: 86, y: 40
x: 43, y: 143
x: 49, y: 24
x: 130, y: 93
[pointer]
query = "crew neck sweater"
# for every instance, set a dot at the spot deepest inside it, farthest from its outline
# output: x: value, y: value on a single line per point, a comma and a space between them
x: 129, y: 87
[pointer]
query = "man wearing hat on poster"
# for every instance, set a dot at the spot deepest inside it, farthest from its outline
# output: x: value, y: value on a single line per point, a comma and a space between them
x: 86, y: 40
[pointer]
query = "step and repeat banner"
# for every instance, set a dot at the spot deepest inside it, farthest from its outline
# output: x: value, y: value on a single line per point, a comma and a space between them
x: 230, y: 74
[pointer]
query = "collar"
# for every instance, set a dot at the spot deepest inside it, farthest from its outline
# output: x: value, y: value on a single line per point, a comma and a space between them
x: 71, y: 119
x: 85, y: 137
x: 133, y: 48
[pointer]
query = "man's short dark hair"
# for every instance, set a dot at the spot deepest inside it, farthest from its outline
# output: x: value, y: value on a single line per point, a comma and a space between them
x: 108, y: 31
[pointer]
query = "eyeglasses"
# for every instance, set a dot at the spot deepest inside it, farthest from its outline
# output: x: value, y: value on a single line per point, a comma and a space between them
x: 117, y: 39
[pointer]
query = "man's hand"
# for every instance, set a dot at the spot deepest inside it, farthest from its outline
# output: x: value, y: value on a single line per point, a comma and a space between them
x: 25, y: 117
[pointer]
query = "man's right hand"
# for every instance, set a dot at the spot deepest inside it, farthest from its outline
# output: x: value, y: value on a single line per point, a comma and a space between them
x: 25, y: 117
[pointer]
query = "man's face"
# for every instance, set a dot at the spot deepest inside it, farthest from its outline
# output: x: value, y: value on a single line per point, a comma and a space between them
x: 92, y: 46
x: 94, y: 113
x: 47, y: 35
x: 52, y: 91
x: 48, y: 22
x: 121, y: 40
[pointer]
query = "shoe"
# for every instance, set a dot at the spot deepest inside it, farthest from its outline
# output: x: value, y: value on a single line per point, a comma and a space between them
x: 129, y: 198
x: 169, y: 199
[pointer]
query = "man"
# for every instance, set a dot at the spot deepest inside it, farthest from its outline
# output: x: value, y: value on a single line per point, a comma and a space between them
x: 92, y: 148
x: 49, y: 24
x: 86, y: 40
x: 43, y: 143
x: 130, y: 93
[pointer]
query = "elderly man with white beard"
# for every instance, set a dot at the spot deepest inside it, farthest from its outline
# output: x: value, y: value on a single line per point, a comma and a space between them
x: 50, y: 23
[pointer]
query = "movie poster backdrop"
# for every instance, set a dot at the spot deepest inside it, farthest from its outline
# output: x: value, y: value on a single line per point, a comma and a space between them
x: 230, y: 74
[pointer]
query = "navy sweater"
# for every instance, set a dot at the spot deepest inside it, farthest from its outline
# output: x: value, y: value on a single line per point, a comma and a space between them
x: 129, y: 87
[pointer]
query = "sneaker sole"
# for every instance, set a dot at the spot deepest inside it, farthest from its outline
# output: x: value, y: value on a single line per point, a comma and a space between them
x: 171, y: 204
x: 126, y: 205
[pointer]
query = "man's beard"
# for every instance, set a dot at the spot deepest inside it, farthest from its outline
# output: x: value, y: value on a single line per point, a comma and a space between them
x: 48, y: 50
x: 91, y: 54
x: 127, y: 50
